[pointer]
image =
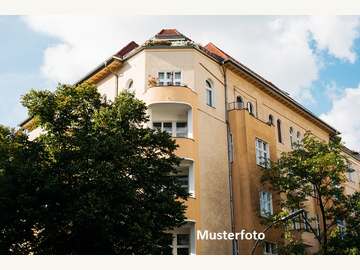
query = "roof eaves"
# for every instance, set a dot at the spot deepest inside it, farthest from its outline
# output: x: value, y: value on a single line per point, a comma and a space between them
x: 352, y: 153
x: 280, y: 92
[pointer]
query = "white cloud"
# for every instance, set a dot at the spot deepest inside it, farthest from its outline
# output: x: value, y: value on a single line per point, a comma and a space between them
x: 344, y: 115
x: 336, y: 35
x: 275, y: 47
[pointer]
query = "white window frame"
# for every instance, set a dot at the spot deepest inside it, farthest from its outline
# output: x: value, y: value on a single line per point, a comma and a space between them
x: 169, y: 81
x: 266, y: 204
x: 291, y: 133
x: 191, y: 177
x: 262, y: 153
x: 209, y: 91
x: 188, y: 229
x: 174, y: 129
x: 175, y: 245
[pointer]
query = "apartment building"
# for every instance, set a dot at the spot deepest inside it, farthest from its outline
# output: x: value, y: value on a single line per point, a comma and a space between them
x: 226, y: 119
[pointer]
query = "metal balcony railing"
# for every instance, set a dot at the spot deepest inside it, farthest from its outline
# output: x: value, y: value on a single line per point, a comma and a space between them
x: 235, y: 106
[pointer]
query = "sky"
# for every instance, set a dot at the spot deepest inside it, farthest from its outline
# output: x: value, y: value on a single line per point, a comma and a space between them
x: 315, y: 59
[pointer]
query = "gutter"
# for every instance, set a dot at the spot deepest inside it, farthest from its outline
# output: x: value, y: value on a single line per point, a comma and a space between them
x: 235, y: 250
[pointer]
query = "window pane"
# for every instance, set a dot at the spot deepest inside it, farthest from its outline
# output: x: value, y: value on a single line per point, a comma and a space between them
x: 181, y: 129
x: 209, y: 97
x: 183, y: 239
x: 184, y: 181
x: 161, y: 75
x: 177, y: 75
x: 168, y: 127
x: 157, y: 125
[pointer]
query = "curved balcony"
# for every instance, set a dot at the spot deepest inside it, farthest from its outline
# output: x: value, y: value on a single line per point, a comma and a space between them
x: 172, y: 94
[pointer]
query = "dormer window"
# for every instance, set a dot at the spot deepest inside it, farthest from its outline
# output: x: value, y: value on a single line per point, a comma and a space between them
x: 169, y: 78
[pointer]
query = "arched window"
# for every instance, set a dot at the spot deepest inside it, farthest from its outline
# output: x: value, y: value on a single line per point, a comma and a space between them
x: 278, y: 123
x: 250, y: 108
x: 209, y: 93
x: 271, y: 120
x: 239, y: 102
x: 291, y: 132
x: 129, y: 84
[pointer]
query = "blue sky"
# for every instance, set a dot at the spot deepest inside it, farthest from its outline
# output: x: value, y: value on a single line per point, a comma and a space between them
x: 21, y: 58
x: 315, y: 59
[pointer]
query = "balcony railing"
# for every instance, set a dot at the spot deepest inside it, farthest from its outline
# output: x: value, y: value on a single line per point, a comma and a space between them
x: 235, y: 106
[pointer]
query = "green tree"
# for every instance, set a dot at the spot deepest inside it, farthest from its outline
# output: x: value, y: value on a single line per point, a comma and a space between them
x: 346, y: 240
x: 96, y: 181
x: 314, y: 170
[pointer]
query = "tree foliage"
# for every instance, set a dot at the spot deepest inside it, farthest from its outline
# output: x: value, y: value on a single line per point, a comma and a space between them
x: 347, y: 240
x: 314, y: 172
x: 96, y: 181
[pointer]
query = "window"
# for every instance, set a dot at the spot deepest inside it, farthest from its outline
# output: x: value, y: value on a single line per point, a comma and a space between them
x: 167, y: 127
x: 250, y: 108
x: 291, y: 132
x: 181, y: 129
x: 183, y: 242
x: 231, y: 148
x: 271, y: 120
x: 296, y: 221
x: 177, y: 78
x: 209, y: 93
x: 262, y: 153
x: 129, y: 84
x: 157, y: 125
x: 269, y: 248
x: 342, y: 227
x: 183, y: 177
x: 239, y: 102
x: 169, y: 78
x: 350, y: 173
x: 305, y: 220
x: 298, y: 137
x: 278, y: 123
x: 266, y: 207
x: 175, y: 129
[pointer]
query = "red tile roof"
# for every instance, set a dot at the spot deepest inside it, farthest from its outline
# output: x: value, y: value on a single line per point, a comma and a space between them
x: 170, y: 34
x: 215, y: 50
x: 128, y: 48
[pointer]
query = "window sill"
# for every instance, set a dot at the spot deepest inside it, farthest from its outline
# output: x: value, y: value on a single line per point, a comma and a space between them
x: 189, y: 138
x: 213, y: 107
